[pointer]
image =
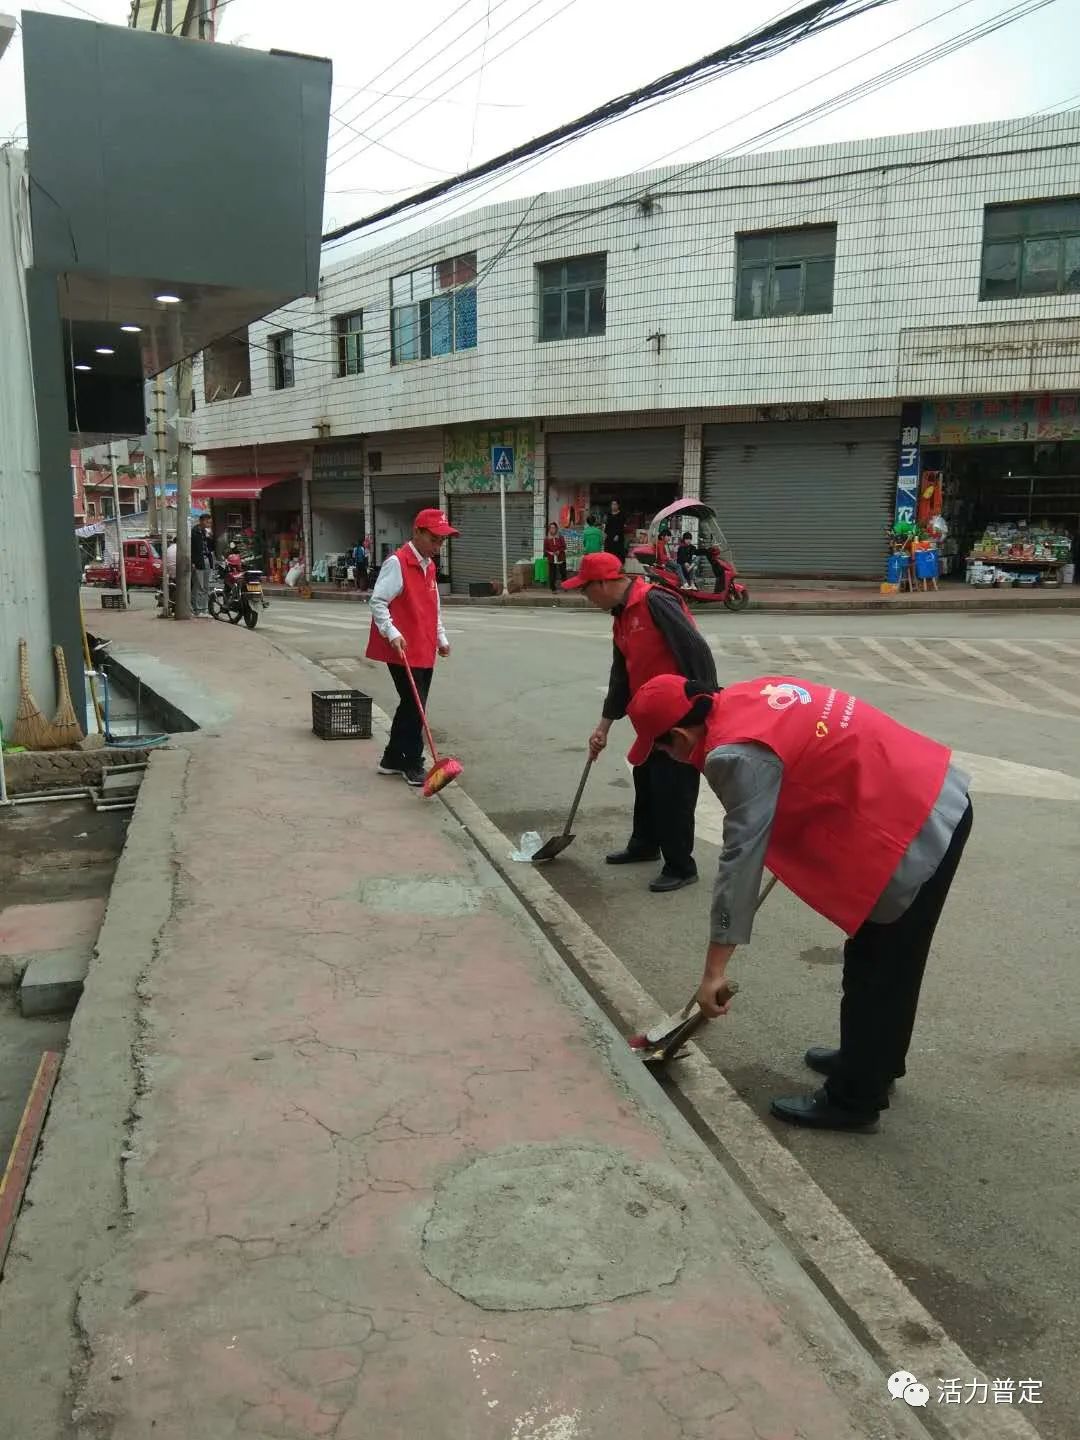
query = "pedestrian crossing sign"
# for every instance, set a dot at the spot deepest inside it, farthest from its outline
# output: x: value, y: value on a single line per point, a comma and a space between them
x: 502, y: 460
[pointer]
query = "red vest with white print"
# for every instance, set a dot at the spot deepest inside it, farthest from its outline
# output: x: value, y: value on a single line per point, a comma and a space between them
x: 415, y: 612
x: 858, y: 787
x: 643, y: 647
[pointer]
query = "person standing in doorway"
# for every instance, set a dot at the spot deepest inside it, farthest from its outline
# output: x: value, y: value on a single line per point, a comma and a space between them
x: 615, y: 532
x: 555, y: 554
x: 406, y: 624
x: 653, y: 635
x: 202, y: 565
x: 361, y: 564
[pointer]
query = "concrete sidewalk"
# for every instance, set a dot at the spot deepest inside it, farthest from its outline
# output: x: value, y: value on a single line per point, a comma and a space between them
x: 369, y: 1163
x: 815, y: 598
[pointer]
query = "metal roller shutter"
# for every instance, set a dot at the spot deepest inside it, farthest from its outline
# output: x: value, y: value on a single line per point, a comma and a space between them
x: 337, y: 495
x: 588, y: 457
x: 476, y: 555
x: 810, y: 499
x: 390, y: 489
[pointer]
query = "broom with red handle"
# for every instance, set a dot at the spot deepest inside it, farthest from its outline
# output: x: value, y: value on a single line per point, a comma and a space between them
x: 442, y: 771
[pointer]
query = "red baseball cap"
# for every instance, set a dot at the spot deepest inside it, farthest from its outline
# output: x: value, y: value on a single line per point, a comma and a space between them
x: 599, y: 566
x: 435, y: 522
x: 658, y: 705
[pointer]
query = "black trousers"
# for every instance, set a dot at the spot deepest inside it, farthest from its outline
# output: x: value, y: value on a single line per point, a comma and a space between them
x: 405, y: 748
x: 883, y: 971
x: 665, y: 799
x: 556, y: 571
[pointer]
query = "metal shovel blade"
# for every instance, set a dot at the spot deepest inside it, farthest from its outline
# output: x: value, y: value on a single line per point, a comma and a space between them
x: 555, y: 846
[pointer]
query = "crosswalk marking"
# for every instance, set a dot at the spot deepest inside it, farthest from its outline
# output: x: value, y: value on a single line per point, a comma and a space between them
x: 969, y: 676
x: 860, y: 666
x: 917, y: 673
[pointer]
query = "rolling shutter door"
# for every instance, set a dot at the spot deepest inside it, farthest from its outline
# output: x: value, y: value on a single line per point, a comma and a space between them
x: 395, y: 489
x: 476, y: 555
x: 588, y: 457
x: 809, y: 499
x: 337, y: 495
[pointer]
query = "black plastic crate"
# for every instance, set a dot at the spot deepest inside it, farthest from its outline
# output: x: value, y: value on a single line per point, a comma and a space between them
x: 341, y: 714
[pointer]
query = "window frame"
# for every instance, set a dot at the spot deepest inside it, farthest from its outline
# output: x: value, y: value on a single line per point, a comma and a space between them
x: 282, y: 360
x: 564, y: 288
x: 413, y: 331
x: 1019, y: 240
x: 773, y: 263
x: 349, y: 338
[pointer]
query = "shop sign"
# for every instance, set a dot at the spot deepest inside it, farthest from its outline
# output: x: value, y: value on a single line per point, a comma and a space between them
x: 1001, y: 419
x: 338, y: 463
x: 469, y: 455
x: 907, y: 473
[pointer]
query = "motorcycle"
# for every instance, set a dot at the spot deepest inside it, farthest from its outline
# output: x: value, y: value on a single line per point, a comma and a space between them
x: 712, y: 577
x: 237, y: 594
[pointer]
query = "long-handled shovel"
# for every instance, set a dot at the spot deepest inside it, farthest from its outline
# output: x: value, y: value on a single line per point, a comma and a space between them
x: 558, y: 843
x: 664, y: 1040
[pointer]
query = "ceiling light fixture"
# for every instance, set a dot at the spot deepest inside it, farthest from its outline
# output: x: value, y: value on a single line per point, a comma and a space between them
x: 167, y: 299
x: 82, y: 367
x: 131, y: 329
x: 103, y: 350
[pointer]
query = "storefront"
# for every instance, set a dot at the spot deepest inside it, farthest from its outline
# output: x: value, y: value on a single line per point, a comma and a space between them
x: 405, y: 470
x: 803, y: 498
x: 587, y: 469
x: 472, y: 497
x: 337, y: 502
x: 261, y: 513
x: 1004, y: 472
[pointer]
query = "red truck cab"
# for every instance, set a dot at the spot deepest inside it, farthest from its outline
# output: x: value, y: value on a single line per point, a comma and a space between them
x: 142, y: 566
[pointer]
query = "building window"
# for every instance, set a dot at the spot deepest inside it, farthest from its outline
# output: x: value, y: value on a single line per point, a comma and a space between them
x: 226, y: 369
x: 350, y: 343
x: 433, y: 310
x: 281, y: 359
x: 785, y: 272
x: 91, y: 509
x: 573, y: 297
x: 1031, y: 249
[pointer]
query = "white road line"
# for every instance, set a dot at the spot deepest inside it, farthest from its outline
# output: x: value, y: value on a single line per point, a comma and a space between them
x: 796, y: 649
x: 921, y: 678
x: 1071, y: 651
x: 992, y: 776
x: 1041, y: 661
x: 1029, y: 678
x: 859, y: 666
x: 757, y: 650
x: 988, y: 687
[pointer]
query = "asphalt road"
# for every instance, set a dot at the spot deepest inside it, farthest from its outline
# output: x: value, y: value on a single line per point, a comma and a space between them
x: 972, y: 1189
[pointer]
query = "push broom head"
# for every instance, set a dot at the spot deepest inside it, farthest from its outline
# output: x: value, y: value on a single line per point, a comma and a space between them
x: 441, y: 774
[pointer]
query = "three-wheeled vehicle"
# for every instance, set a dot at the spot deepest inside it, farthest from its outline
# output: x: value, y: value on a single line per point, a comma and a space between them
x: 710, y: 577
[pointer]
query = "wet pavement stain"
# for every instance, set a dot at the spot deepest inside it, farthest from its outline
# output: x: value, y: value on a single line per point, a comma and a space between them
x: 821, y: 955
x: 440, y: 896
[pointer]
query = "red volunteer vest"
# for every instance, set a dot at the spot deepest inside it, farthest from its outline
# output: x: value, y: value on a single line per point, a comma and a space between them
x: 857, y: 788
x: 642, y: 646
x: 415, y: 612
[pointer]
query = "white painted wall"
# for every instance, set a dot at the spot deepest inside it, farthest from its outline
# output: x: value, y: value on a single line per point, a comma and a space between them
x: 24, y: 601
x: 909, y: 213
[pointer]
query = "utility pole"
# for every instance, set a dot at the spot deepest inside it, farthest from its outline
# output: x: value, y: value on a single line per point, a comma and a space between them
x: 161, y: 470
x: 119, y: 526
x: 183, y: 488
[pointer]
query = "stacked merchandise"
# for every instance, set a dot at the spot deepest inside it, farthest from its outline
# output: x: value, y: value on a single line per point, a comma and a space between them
x: 1005, y: 541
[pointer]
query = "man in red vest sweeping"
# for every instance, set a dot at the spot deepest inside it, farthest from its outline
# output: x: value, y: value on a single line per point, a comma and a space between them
x: 654, y: 635
x: 406, y: 621
x: 862, y: 818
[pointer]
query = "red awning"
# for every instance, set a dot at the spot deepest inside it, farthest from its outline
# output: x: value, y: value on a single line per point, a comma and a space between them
x: 233, y: 487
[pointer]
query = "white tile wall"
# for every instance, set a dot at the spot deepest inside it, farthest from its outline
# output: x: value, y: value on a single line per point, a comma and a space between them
x: 907, y: 319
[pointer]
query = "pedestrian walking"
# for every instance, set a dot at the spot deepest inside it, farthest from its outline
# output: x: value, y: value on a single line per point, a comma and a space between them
x: 615, y: 531
x: 406, y: 623
x: 653, y: 635
x: 860, y: 817
x: 361, y: 565
x: 202, y: 565
x: 555, y: 554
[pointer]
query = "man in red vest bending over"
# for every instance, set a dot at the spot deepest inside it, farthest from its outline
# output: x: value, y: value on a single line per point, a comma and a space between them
x: 406, y: 620
x: 654, y: 635
x: 862, y: 818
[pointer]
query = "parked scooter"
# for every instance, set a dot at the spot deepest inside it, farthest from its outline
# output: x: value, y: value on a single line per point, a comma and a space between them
x: 236, y: 592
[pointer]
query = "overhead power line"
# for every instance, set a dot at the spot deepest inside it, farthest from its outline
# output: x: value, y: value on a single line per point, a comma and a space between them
x: 812, y: 19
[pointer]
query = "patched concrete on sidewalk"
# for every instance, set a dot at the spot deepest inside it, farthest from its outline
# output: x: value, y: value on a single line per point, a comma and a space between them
x: 52, y: 982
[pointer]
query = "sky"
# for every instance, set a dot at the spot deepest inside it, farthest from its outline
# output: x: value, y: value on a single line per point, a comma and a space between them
x: 409, y: 111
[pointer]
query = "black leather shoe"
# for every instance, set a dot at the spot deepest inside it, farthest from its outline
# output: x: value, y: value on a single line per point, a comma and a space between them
x: 631, y: 857
x: 665, y: 882
x: 824, y: 1061
x: 817, y: 1113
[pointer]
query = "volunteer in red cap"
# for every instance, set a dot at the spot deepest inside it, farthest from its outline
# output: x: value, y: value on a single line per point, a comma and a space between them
x: 862, y: 818
x: 406, y: 620
x: 654, y: 635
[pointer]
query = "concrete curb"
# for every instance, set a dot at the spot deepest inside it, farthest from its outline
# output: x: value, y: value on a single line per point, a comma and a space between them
x: 880, y: 1310
x: 76, y: 1200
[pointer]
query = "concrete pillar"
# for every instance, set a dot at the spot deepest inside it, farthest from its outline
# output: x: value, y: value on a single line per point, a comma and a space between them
x: 539, y: 496
x: 305, y: 510
x: 691, y: 477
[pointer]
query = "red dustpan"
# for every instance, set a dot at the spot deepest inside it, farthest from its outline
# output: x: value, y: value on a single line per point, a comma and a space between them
x: 442, y: 771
